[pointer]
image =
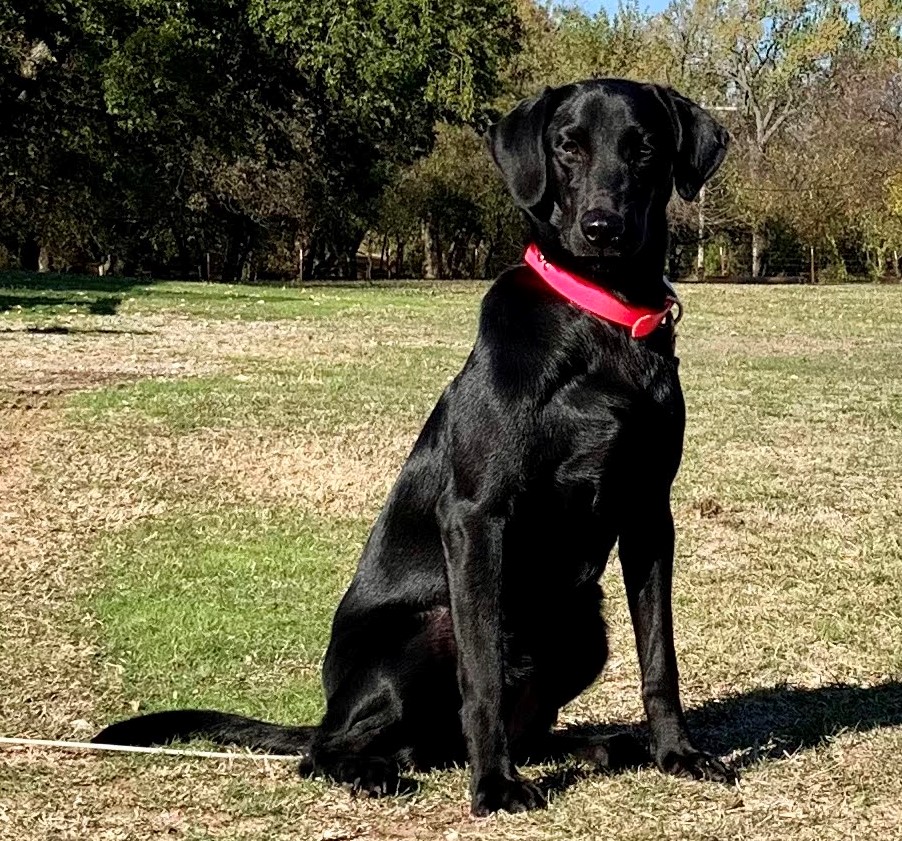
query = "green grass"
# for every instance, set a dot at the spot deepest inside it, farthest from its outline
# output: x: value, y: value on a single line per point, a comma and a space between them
x: 228, y: 612
x: 391, y: 384
x: 45, y: 299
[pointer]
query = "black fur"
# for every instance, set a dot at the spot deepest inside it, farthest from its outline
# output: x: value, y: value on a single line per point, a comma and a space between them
x: 475, y: 612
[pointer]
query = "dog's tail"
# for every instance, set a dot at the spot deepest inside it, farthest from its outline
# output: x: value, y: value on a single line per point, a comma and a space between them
x: 222, y: 728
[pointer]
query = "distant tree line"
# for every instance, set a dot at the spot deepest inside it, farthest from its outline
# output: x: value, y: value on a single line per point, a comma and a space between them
x: 244, y: 139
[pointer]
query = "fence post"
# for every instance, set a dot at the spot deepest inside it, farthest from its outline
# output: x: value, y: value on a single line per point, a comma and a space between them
x: 700, y: 254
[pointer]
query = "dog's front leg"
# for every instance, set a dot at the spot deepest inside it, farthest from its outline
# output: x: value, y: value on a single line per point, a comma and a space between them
x: 646, y: 554
x: 472, y: 538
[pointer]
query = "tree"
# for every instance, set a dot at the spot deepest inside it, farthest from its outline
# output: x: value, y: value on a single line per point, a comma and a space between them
x: 169, y: 130
x: 774, y: 56
x: 455, y: 204
x: 378, y: 75
x: 56, y: 155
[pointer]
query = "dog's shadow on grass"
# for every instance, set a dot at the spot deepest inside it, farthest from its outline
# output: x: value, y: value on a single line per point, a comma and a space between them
x: 758, y: 726
x: 771, y: 723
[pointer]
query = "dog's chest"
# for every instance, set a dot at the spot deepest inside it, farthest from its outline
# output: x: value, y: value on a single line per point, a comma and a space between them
x: 604, y: 433
x: 604, y: 413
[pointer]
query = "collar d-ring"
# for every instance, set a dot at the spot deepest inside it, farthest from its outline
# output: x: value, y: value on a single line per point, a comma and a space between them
x: 674, y: 301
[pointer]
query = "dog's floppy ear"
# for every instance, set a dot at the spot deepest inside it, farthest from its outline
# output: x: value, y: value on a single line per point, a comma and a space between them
x: 701, y: 143
x: 517, y: 145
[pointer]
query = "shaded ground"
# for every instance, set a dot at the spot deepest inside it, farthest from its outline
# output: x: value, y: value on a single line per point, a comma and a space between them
x: 186, y: 478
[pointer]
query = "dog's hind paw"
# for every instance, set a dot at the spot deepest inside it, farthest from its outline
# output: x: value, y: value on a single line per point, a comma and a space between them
x: 500, y: 792
x: 614, y: 753
x: 370, y: 776
x: 363, y: 776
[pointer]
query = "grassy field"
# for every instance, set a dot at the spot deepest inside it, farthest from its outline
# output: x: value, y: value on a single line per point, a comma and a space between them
x: 187, y: 474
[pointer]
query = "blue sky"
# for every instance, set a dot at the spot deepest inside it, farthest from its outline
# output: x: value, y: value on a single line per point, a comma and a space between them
x: 610, y: 6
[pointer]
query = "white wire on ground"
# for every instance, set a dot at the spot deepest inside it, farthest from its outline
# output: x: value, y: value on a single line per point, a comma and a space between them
x: 196, y: 754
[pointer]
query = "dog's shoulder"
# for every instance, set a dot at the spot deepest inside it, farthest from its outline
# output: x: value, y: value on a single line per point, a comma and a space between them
x: 519, y: 307
x: 528, y: 337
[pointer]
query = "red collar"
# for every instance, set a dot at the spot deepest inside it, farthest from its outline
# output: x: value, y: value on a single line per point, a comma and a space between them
x: 599, y: 301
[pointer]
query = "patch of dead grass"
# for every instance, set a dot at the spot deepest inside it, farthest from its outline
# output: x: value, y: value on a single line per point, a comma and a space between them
x: 345, y: 473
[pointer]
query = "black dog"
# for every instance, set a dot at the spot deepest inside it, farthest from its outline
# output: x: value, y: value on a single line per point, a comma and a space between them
x: 475, y: 613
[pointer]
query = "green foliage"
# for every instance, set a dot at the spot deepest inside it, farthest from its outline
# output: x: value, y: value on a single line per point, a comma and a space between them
x: 393, y: 59
x: 226, y: 125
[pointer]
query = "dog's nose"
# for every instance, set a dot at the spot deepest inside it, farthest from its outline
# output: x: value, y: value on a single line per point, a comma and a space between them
x: 601, y: 228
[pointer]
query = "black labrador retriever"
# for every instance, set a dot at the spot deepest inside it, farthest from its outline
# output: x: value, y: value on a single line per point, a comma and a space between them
x: 475, y: 612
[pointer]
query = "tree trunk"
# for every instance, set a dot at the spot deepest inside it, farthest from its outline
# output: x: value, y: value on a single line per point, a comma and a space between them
x: 230, y: 267
x: 486, y: 252
x: 299, y: 251
x: 233, y: 264
x: 248, y: 268
x: 673, y: 263
x: 430, y: 251
x: 356, y: 240
x: 399, y: 258
x: 44, y: 259
x: 437, y: 247
x: 454, y: 258
x: 813, y: 271
x: 756, y: 158
x: 757, y: 250
x: 897, y: 266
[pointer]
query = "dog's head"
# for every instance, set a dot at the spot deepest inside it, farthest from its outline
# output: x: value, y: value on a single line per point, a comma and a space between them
x: 593, y: 165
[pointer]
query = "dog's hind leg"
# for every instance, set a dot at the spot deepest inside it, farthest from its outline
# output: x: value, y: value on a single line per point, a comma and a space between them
x: 360, y: 743
x: 398, y: 713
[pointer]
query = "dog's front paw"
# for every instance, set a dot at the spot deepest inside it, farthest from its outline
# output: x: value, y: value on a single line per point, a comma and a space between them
x: 688, y: 762
x: 510, y: 793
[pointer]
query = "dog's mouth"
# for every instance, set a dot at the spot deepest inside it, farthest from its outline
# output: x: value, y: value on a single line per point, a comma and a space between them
x: 605, y: 258
x: 611, y: 252
x: 605, y: 255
